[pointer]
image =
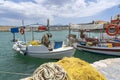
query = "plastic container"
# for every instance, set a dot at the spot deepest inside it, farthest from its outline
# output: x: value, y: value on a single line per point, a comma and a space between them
x: 58, y: 44
x: 83, y: 43
x: 102, y: 45
x: 89, y: 44
x: 109, y: 44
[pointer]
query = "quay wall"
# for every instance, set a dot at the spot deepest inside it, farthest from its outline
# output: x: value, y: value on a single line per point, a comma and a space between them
x: 7, y: 28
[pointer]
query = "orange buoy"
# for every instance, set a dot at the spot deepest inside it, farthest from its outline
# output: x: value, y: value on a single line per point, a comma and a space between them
x: 22, y: 31
x: 112, y: 29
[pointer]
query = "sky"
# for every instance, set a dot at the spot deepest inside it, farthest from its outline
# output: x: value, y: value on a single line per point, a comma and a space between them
x: 59, y: 12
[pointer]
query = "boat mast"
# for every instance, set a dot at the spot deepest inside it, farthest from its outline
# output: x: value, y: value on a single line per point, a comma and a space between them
x: 48, y: 25
x: 32, y: 33
x: 69, y: 29
x: 24, y: 32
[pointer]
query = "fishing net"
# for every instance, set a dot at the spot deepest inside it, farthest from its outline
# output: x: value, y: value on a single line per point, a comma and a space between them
x: 34, y: 42
x: 80, y: 70
x: 72, y: 69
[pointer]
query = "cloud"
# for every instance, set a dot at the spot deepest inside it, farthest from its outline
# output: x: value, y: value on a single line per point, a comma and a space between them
x: 82, y: 9
x: 43, y: 9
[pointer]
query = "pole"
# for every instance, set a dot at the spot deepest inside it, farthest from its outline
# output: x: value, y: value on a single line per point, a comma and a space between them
x: 24, y: 31
x: 32, y: 33
x: 13, y: 37
x: 48, y: 25
x: 69, y: 29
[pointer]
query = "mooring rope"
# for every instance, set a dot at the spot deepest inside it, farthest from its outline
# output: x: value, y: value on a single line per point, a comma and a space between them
x: 6, y: 72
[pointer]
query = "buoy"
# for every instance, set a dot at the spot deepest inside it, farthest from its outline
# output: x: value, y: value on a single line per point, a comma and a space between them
x: 112, y: 29
x: 22, y: 31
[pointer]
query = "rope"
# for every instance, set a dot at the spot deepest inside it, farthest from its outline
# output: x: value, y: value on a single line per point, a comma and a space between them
x: 5, y: 72
x: 50, y: 71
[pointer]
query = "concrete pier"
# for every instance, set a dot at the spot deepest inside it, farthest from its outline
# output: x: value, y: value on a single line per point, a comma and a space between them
x: 109, y: 67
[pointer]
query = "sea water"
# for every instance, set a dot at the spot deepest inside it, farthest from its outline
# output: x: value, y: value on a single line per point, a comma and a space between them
x: 14, y: 66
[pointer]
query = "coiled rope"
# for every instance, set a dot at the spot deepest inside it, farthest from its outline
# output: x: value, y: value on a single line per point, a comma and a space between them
x: 50, y: 71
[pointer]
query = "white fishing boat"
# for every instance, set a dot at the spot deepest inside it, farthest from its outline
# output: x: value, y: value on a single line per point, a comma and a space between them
x: 100, y: 45
x: 44, y: 48
x: 41, y: 51
x: 102, y: 48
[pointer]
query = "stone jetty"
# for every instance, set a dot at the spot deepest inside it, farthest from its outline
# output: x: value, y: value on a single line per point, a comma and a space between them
x: 109, y: 67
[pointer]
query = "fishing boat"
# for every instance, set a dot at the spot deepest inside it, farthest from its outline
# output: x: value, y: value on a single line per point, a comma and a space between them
x: 41, y: 49
x: 41, y: 28
x: 100, y: 46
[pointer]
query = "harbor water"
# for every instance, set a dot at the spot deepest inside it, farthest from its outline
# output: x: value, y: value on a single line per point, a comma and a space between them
x: 14, y: 66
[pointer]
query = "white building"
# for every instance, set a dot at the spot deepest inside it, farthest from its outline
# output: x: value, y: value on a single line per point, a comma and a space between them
x: 117, y: 17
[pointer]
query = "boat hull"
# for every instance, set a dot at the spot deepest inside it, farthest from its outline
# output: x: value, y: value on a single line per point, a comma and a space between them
x: 41, y: 51
x: 53, y: 54
x: 100, y: 50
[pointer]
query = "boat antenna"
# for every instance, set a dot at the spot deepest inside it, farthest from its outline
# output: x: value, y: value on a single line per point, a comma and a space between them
x: 111, y: 19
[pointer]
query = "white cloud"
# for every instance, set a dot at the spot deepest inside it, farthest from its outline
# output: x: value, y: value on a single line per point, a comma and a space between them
x: 82, y: 9
x: 39, y: 1
x: 70, y: 8
x: 10, y: 20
